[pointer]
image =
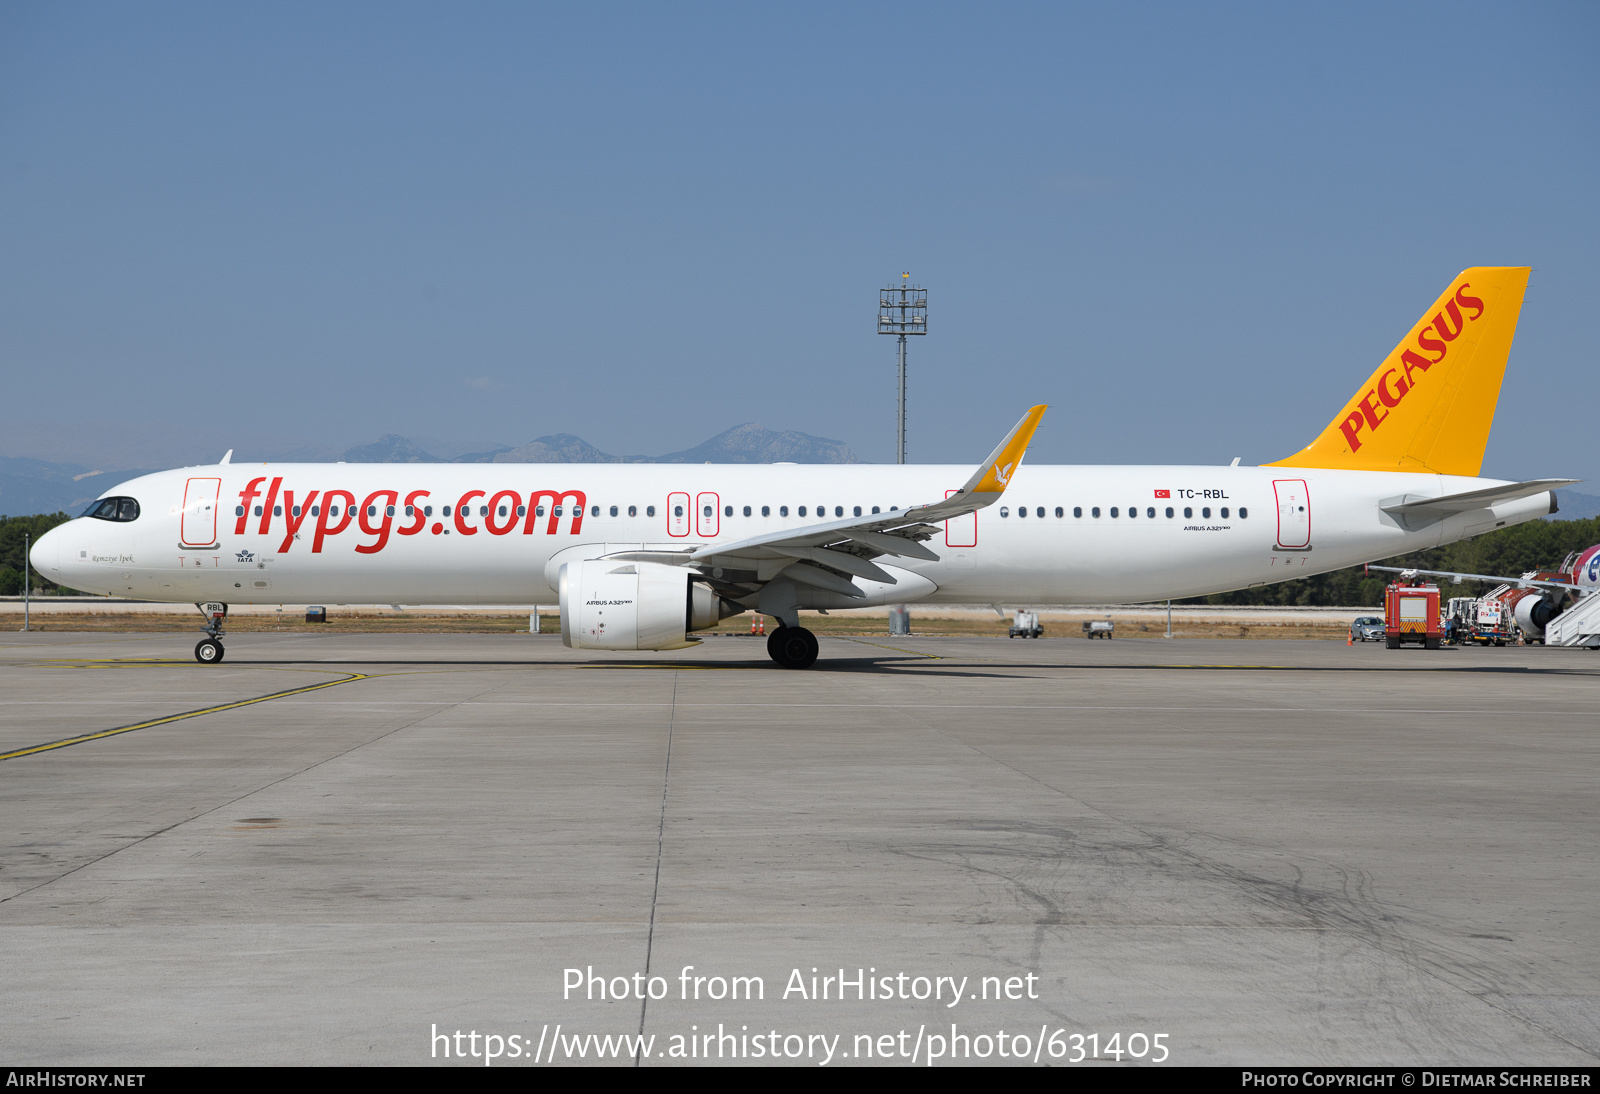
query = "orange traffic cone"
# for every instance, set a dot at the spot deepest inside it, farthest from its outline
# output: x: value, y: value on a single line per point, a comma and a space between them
x: 758, y: 625
x: 1349, y: 639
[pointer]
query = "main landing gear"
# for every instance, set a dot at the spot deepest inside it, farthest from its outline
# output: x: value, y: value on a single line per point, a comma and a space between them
x: 792, y: 647
x: 208, y: 651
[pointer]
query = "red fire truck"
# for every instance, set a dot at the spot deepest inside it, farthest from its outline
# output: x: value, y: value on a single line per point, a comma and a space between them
x: 1411, y: 614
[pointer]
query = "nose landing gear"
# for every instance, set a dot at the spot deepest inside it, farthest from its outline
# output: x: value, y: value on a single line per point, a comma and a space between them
x: 792, y: 647
x: 209, y: 651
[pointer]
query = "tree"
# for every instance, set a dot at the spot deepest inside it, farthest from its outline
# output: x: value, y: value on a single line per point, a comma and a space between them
x: 1536, y: 545
x: 12, y: 530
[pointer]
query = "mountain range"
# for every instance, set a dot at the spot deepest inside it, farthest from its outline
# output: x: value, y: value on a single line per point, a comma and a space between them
x: 29, y: 485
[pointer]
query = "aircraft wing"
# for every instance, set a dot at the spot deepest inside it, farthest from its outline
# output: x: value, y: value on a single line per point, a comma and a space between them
x: 827, y: 554
x: 1520, y: 582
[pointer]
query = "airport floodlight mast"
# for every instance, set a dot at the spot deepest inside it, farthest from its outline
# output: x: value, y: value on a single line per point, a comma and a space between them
x: 902, y: 310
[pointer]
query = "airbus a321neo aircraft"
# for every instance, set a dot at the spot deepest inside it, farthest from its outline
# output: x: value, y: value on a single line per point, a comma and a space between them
x: 641, y: 557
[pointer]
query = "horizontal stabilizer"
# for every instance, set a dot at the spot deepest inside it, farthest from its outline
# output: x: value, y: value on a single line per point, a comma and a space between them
x: 1410, y: 505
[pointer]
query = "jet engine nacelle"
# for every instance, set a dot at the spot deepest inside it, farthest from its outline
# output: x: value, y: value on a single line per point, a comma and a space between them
x: 613, y: 605
x: 1533, y: 613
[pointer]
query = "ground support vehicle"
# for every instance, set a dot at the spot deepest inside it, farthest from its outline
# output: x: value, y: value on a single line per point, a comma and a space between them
x: 1098, y: 628
x: 1026, y: 625
x: 1411, y: 614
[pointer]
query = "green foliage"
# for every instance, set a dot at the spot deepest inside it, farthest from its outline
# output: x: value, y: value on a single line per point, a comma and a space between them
x: 1536, y: 545
x: 12, y: 530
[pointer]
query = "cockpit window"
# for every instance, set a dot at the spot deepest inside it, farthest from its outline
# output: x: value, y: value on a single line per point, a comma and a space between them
x: 121, y: 510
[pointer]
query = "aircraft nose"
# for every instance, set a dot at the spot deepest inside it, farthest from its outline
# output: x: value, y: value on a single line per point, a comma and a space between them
x: 45, y: 555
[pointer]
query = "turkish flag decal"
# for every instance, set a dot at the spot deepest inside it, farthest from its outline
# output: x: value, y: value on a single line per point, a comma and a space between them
x: 1163, y: 493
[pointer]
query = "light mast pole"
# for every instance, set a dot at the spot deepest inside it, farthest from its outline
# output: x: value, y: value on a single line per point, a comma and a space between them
x: 902, y: 311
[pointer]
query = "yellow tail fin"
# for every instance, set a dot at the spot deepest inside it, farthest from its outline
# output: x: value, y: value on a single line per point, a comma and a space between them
x: 1431, y: 403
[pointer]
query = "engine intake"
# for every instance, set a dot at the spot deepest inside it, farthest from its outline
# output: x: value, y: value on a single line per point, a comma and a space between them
x: 610, y: 605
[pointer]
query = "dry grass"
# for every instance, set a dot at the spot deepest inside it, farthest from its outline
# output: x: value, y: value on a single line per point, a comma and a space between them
x: 476, y: 623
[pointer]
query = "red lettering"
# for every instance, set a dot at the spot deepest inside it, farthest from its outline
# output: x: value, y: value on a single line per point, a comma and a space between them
x: 1351, y: 426
x: 293, y: 521
x: 1391, y: 398
x: 1414, y: 360
x: 510, y: 496
x: 246, y: 496
x: 416, y: 511
x: 382, y: 531
x: 1374, y: 415
x: 463, y: 509
x: 1454, y: 311
x: 555, y: 504
x: 1469, y: 301
x: 266, y: 510
x: 1432, y: 343
x: 323, y: 527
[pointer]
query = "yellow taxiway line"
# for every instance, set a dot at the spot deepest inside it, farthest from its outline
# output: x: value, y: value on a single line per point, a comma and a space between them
x: 84, y: 737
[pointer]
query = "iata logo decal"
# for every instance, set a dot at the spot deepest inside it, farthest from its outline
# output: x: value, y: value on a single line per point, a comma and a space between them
x: 245, y: 556
x: 1392, y: 387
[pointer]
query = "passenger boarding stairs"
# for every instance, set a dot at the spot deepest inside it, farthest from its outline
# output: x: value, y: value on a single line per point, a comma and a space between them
x: 1579, y: 625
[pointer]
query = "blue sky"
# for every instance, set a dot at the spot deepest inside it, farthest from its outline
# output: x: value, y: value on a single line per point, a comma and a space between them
x: 1193, y: 229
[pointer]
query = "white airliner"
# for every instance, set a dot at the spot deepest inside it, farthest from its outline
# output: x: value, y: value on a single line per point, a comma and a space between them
x: 642, y: 556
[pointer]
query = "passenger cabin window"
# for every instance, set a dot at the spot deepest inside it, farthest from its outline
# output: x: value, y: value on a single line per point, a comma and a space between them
x: 1243, y: 512
x: 874, y: 510
x: 1169, y: 512
x: 1206, y: 512
x: 121, y: 510
x: 838, y: 510
x: 1005, y: 512
x: 1113, y: 510
x: 766, y: 511
x: 783, y: 511
x: 633, y: 510
x: 747, y: 510
x: 1224, y: 512
x: 427, y: 511
x: 594, y: 510
x: 1022, y: 510
x: 727, y: 511
x: 802, y: 510
x: 388, y: 511
x: 238, y: 511
x: 1150, y: 512
x: 1095, y: 512
x: 650, y: 511
x: 1188, y: 513
x: 1077, y: 511
x: 613, y: 510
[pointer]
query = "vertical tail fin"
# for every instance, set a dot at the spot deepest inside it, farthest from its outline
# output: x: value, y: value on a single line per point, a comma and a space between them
x: 1430, y: 404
